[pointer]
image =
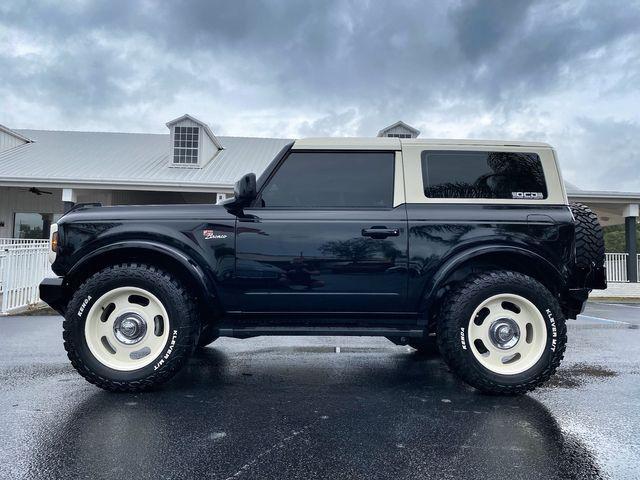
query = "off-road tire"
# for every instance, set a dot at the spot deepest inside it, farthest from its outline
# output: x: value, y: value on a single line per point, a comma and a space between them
x: 453, y: 325
x: 183, y: 324
x: 589, y: 237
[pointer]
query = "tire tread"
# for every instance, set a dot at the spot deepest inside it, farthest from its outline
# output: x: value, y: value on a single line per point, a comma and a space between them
x: 448, y: 333
x: 590, y: 249
x: 173, y: 363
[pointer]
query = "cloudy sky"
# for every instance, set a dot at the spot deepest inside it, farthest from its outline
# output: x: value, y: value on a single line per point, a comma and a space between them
x: 563, y: 72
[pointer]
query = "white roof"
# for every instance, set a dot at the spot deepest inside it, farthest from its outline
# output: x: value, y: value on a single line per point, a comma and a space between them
x: 352, y: 143
x: 386, y: 143
x: 128, y: 160
x: 13, y: 133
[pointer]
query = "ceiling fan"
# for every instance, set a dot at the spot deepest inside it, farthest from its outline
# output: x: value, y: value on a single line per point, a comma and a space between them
x: 37, y: 191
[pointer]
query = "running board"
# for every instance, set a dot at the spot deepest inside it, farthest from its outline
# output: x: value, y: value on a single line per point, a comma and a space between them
x: 244, y: 332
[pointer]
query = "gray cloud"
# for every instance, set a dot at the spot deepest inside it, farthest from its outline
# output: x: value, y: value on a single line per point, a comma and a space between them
x: 565, y: 72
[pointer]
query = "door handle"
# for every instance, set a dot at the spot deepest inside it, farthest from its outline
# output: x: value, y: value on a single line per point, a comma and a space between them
x: 380, y: 232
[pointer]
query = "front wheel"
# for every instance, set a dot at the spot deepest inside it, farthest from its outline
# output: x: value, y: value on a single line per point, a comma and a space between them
x: 502, y: 332
x: 130, y: 327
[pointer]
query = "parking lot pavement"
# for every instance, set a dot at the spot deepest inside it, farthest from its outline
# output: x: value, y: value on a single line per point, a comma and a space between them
x: 285, y: 407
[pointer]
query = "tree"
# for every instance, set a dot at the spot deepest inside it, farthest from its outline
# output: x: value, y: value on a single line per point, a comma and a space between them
x: 614, y: 238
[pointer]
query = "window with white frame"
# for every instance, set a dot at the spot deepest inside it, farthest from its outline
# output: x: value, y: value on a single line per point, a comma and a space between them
x: 399, y: 135
x: 185, y: 145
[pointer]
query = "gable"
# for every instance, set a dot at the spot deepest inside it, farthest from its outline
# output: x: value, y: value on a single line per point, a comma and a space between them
x: 399, y: 130
x: 10, y: 139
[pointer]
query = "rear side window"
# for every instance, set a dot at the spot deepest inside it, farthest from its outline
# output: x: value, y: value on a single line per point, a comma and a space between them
x: 472, y: 174
x: 332, y: 180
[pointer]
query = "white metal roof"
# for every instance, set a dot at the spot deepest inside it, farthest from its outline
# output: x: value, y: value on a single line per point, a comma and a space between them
x: 8, y: 131
x: 128, y: 160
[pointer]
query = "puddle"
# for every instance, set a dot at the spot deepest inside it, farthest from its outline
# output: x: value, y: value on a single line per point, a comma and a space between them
x: 577, y: 375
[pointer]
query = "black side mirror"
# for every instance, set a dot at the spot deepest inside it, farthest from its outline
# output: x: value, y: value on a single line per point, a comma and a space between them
x: 245, y: 191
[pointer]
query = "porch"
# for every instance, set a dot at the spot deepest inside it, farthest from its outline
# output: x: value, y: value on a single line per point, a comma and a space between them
x: 28, y: 212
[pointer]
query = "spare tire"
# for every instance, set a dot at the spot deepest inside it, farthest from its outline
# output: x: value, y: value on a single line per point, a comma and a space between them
x: 589, y: 237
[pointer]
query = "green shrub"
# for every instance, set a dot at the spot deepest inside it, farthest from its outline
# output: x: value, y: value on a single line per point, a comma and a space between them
x: 614, y: 239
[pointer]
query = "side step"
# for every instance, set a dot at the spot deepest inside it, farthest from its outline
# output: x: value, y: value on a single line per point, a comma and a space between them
x: 245, y: 332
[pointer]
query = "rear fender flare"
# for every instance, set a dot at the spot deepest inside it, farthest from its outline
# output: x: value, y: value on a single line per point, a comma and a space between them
x: 460, y: 259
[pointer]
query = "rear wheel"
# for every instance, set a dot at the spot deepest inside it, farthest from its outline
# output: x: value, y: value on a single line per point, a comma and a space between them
x: 502, y: 332
x: 130, y: 327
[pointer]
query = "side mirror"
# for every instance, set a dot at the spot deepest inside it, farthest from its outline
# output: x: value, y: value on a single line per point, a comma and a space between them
x: 245, y: 191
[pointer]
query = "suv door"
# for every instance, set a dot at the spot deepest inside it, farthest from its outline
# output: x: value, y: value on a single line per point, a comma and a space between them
x: 324, y: 236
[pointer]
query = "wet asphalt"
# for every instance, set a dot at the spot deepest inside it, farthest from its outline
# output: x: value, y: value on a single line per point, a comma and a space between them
x: 294, y: 407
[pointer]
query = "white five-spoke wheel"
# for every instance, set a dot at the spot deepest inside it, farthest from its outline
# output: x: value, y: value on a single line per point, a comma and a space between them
x: 130, y: 327
x: 507, y: 334
x: 127, y: 328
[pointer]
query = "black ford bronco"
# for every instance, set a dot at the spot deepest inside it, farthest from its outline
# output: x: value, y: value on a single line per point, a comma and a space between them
x: 468, y: 247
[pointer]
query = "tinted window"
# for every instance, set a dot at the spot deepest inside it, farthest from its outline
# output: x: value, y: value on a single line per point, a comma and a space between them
x: 462, y: 174
x: 332, y: 180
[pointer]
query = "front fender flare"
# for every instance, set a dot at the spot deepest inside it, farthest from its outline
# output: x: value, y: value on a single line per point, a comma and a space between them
x: 194, y: 269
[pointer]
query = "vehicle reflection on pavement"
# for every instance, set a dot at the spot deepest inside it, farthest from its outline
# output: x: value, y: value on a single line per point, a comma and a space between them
x: 271, y: 408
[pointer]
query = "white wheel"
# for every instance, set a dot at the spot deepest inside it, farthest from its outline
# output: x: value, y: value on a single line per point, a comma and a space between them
x: 507, y: 334
x: 127, y: 328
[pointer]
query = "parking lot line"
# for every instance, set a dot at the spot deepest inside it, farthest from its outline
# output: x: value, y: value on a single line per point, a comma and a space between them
x: 604, y: 319
x: 625, y: 305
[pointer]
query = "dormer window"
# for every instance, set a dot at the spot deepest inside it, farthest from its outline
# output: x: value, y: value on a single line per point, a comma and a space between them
x: 185, y: 145
x: 399, y: 130
x: 399, y: 135
x: 192, y: 144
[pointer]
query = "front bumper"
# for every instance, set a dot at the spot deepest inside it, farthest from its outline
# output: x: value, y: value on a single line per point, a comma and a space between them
x: 53, y: 292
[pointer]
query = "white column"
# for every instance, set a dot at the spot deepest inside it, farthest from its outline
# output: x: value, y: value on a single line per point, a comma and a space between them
x: 630, y: 214
x: 69, y: 198
x: 220, y: 197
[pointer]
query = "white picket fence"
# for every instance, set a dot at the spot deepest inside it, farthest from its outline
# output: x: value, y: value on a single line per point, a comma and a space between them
x: 616, y: 265
x: 23, y: 265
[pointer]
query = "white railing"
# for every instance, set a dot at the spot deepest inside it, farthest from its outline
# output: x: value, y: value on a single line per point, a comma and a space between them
x: 616, y: 265
x: 22, y: 241
x: 23, y: 265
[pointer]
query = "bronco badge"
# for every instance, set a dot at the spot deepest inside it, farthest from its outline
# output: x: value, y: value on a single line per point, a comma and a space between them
x: 210, y: 234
